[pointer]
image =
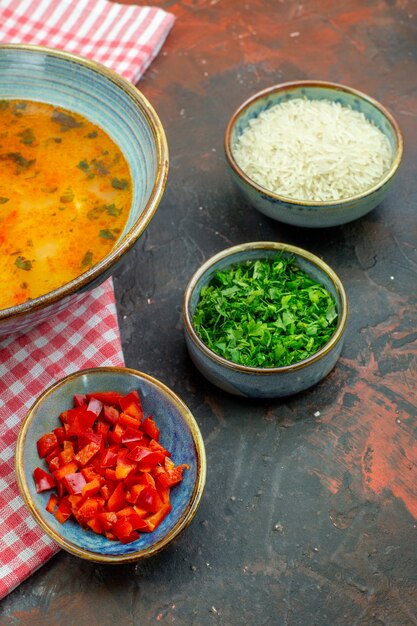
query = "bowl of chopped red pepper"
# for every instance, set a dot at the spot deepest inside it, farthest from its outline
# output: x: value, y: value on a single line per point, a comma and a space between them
x: 111, y: 464
x: 265, y: 319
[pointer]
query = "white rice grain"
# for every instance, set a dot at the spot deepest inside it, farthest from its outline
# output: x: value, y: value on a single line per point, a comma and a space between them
x: 314, y: 150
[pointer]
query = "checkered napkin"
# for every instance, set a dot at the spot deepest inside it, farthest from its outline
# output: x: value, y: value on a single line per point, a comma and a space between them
x: 86, y: 334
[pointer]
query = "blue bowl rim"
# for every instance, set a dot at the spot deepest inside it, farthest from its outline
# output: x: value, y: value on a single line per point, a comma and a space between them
x: 263, y: 246
x: 182, y: 522
x: 124, y: 244
x: 292, y: 86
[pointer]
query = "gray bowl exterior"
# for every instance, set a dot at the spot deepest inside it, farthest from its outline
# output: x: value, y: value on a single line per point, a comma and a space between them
x: 263, y: 383
x: 103, y: 97
x: 309, y: 215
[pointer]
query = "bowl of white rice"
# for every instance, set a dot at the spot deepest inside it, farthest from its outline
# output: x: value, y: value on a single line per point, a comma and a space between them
x: 313, y: 153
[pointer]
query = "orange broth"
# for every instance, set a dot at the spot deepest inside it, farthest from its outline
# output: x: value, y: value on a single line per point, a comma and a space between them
x: 65, y: 193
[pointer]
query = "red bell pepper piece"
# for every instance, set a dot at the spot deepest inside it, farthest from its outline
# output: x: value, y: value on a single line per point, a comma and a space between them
x: 109, y: 457
x: 131, y: 405
x: 89, y: 436
x: 87, y: 453
x: 43, y: 480
x: 60, y: 434
x: 128, y: 421
x: 68, y: 468
x: 133, y: 479
x: 111, y: 414
x: 135, y: 490
x: 46, y: 444
x: 106, y: 397
x: 132, y: 437
x: 91, y: 488
x: 170, y: 477
x: 117, y: 498
x: 124, y: 465
x: 149, y: 461
x: 94, y: 524
x: 155, y: 446
x: 150, y: 428
x: 138, y: 523
x: 124, y: 531
x: 66, y: 455
x: 149, y: 499
x: 79, y: 399
x: 79, y: 420
x: 138, y: 453
x: 88, y: 509
x: 154, y: 520
x: 52, y: 503
x: 95, y: 406
x: 102, y: 428
x: 74, y: 483
x: 106, y: 519
x: 63, y: 511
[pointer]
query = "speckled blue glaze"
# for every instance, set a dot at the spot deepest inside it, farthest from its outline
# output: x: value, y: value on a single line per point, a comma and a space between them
x: 179, y: 434
x: 105, y: 98
x: 310, y: 214
x: 251, y: 382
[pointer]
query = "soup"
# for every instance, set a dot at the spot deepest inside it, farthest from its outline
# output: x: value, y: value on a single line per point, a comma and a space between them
x: 65, y: 193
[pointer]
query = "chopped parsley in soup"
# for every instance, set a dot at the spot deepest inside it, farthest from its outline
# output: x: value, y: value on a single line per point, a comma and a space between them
x: 65, y: 193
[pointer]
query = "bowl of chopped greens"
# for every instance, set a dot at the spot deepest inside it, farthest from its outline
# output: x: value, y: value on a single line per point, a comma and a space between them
x: 265, y: 319
x: 313, y: 153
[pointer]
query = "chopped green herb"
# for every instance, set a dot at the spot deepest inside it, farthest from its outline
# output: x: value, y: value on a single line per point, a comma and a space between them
x: 96, y: 212
x: 92, y: 135
x: 23, y: 264
x: 4, y: 104
x: 83, y: 165
x: 119, y: 183
x: 87, y: 260
x: 3, y: 200
x: 68, y: 196
x: 265, y: 313
x: 113, y: 210
x: 99, y: 167
x: 65, y: 121
x: 18, y: 107
x: 107, y: 234
x: 49, y: 189
x: 95, y: 167
x: 27, y: 137
x: 22, y: 162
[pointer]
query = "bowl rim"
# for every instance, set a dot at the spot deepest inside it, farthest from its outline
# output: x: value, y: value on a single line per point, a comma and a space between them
x: 196, y: 495
x: 123, y: 245
x: 292, y: 86
x: 278, y: 247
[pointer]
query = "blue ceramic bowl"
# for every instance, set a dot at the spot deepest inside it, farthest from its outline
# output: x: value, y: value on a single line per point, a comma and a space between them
x: 179, y: 434
x: 111, y: 102
x: 306, y: 213
x: 255, y: 382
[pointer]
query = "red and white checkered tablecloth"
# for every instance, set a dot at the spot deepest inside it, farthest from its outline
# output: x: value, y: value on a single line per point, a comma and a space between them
x: 125, y: 38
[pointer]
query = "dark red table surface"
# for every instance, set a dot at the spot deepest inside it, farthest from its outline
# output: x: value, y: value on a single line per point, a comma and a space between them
x: 309, y: 515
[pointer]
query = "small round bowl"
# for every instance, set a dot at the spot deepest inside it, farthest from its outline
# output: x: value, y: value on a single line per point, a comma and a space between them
x: 302, y: 212
x: 255, y: 382
x: 179, y: 434
x: 111, y: 102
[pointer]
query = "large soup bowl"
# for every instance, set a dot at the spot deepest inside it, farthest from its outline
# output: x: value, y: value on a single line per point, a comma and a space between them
x: 112, y: 103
